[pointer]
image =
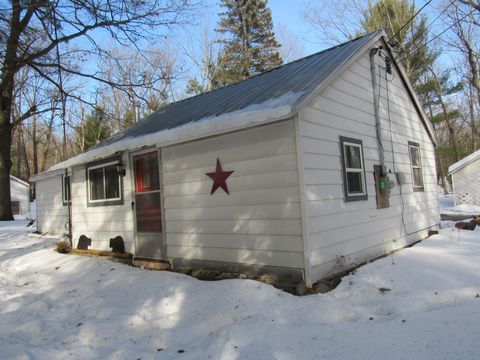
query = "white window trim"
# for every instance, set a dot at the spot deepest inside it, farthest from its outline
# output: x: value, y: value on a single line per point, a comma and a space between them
x: 103, y: 165
x: 416, y: 146
x: 361, y: 170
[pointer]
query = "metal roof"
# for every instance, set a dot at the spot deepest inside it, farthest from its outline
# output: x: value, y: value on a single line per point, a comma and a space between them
x: 302, y: 76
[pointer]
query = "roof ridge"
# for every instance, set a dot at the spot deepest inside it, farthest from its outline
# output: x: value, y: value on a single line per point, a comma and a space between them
x: 270, y: 70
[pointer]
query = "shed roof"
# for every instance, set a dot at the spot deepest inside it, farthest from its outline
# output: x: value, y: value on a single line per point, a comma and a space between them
x: 270, y: 96
x: 464, y: 162
x: 20, y: 181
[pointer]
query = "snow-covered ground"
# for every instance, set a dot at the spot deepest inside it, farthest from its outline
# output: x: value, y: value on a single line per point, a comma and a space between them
x: 420, y: 303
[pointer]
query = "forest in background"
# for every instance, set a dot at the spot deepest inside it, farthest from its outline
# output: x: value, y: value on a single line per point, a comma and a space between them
x: 84, y: 90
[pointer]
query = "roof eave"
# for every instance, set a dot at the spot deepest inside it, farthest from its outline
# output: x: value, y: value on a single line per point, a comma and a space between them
x: 171, y: 140
x: 46, y: 174
x: 381, y: 35
x: 462, y: 163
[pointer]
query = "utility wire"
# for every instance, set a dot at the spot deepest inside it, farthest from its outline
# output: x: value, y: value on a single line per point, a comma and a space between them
x: 411, y: 19
x: 437, y: 36
x: 429, y: 25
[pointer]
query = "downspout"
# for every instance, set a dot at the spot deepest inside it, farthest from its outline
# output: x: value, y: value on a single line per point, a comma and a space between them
x: 69, y: 210
x: 373, y: 52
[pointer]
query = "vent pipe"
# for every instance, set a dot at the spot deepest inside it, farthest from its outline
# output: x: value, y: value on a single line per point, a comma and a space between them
x: 378, y: 129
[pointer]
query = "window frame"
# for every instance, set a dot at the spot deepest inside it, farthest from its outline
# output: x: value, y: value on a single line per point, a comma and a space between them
x: 415, y: 145
x: 103, y: 164
x: 64, y: 200
x: 350, y: 197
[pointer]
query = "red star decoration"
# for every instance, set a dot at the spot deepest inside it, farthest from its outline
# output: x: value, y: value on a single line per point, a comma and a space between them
x: 219, y: 178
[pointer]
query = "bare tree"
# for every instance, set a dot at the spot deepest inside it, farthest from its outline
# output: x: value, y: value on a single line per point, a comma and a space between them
x: 335, y: 21
x: 472, y: 3
x: 41, y: 33
x: 155, y: 67
x: 464, y: 20
x: 292, y: 48
x: 203, y: 50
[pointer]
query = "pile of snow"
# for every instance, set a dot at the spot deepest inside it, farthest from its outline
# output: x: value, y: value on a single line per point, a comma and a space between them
x: 465, y: 209
x: 460, y: 212
x: 420, y: 303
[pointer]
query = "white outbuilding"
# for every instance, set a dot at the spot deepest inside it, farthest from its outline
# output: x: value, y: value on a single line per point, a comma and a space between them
x: 20, y: 196
x: 307, y: 169
x: 466, y: 179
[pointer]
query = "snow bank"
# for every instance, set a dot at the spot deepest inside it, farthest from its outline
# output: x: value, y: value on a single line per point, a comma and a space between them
x: 460, y: 212
x: 271, y: 110
x: 420, y: 303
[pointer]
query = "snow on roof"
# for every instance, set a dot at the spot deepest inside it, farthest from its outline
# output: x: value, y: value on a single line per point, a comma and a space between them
x: 464, y: 162
x: 257, y: 114
x: 267, y: 97
x: 263, y: 98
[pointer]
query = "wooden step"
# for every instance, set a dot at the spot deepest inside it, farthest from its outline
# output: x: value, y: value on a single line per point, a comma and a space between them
x: 151, y: 264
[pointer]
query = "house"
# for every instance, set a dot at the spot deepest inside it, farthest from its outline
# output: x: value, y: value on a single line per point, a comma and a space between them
x: 19, y: 196
x: 306, y: 170
x: 466, y: 179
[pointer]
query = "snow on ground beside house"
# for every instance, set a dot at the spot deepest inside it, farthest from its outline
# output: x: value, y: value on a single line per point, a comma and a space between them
x: 31, y: 214
x: 445, y: 201
x: 464, y: 209
x: 463, y: 212
x: 420, y: 303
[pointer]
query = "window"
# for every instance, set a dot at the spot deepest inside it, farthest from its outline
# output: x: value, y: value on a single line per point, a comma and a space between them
x: 66, y: 190
x: 354, y: 185
x: 104, y: 184
x: 416, y: 162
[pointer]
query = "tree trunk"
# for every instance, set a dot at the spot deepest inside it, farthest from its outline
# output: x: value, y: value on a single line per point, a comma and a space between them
x: 6, y: 95
x: 47, y: 142
x: 25, y: 156
x: 6, y: 91
x: 34, y: 146
x: 18, y: 171
x: 5, y: 164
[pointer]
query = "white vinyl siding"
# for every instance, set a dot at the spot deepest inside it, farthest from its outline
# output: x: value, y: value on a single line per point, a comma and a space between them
x: 52, y: 216
x: 466, y: 184
x: 259, y: 222
x: 342, y: 234
x: 103, y: 222
x: 20, y: 191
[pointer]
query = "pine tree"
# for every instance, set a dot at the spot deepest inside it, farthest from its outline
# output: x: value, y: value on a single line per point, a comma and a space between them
x: 250, y: 46
x: 93, y: 130
x: 410, y: 41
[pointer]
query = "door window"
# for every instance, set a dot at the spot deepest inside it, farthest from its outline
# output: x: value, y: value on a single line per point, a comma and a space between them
x: 147, y: 193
